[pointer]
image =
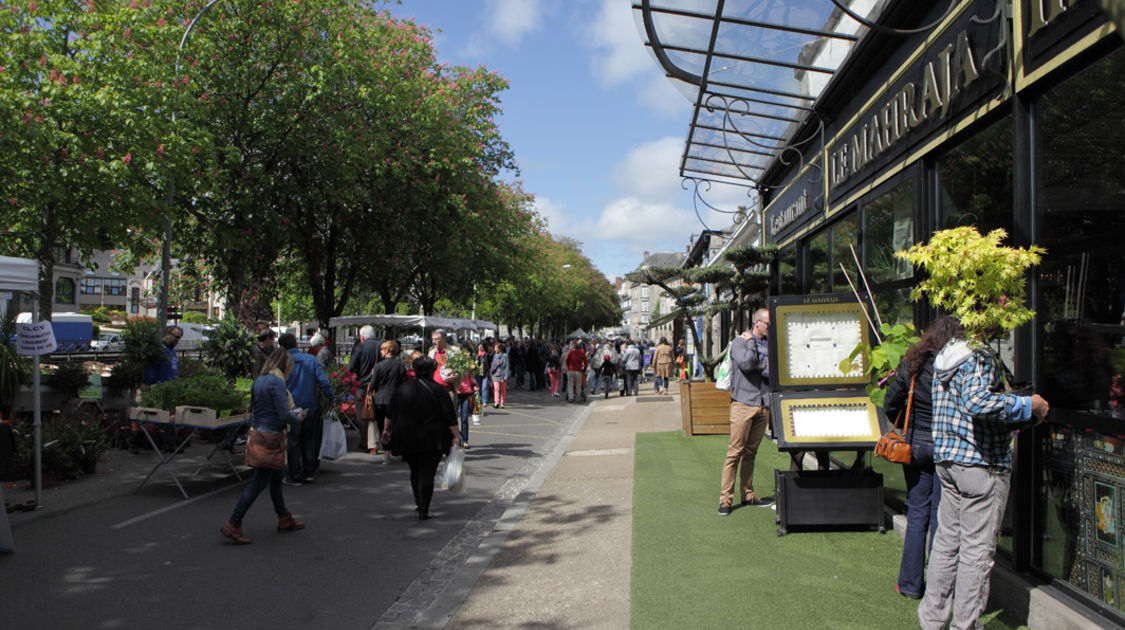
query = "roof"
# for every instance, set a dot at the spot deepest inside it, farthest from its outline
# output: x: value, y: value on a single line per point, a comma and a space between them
x: 661, y: 259
x: 754, y: 72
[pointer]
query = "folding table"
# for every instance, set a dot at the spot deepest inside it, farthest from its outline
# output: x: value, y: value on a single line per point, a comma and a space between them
x: 194, y: 418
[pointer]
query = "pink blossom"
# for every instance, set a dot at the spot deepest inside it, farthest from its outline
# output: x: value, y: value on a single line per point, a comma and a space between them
x: 160, y: 150
x: 128, y: 158
x: 161, y: 22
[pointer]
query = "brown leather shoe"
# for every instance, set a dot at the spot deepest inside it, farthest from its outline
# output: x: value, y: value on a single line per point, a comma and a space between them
x: 234, y: 532
x: 286, y: 523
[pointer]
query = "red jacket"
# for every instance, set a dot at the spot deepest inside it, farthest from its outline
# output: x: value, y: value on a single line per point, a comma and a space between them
x: 576, y: 360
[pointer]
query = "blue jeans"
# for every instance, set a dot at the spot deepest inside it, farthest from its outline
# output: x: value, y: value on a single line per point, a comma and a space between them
x: 660, y: 382
x: 923, y: 495
x: 484, y: 385
x: 631, y: 386
x: 262, y: 477
x: 465, y: 408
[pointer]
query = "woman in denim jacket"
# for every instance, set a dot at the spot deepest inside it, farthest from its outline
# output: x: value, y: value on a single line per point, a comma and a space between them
x: 271, y: 410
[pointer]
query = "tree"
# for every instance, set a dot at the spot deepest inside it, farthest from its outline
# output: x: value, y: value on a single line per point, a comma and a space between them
x: 75, y: 152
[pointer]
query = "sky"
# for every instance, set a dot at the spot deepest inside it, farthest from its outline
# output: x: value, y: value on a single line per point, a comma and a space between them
x: 596, y: 128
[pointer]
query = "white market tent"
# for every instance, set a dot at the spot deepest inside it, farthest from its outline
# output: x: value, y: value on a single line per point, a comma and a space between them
x: 407, y: 321
x: 21, y: 275
x: 578, y: 334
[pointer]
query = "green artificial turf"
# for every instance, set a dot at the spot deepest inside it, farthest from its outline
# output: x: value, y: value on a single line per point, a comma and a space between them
x: 695, y: 569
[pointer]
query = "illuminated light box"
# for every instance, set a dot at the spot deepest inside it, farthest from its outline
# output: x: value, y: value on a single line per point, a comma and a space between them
x: 811, y: 335
x: 824, y: 420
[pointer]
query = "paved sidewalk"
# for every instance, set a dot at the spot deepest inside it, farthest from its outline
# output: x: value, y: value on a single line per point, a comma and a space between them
x: 566, y: 562
x: 551, y: 549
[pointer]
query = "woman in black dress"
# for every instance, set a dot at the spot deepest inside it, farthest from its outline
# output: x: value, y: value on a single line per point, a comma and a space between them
x: 422, y: 428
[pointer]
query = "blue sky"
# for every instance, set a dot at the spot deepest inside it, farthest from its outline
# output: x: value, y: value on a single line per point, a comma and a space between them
x: 596, y: 128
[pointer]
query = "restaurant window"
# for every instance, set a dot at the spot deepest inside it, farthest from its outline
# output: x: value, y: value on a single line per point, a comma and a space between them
x: 845, y: 236
x: 1081, y: 313
x: 64, y: 291
x: 818, y: 263
x: 975, y: 181
x: 787, y: 271
x: 889, y: 227
x: 134, y: 300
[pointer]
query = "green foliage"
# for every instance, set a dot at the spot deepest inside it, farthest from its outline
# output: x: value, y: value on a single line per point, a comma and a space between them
x: 214, y: 392
x: 69, y: 378
x: 13, y: 367
x: 71, y: 445
x: 227, y: 348
x: 143, y: 345
x: 194, y: 317
x: 881, y: 360
x: 975, y: 278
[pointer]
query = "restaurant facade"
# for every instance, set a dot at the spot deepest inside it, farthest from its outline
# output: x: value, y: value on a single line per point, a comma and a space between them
x: 929, y: 115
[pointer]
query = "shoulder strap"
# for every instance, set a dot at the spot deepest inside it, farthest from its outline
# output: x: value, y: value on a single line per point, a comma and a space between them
x: 909, y: 404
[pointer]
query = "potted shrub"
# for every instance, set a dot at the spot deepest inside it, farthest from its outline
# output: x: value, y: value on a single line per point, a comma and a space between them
x: 704, y: 409
x: 976, y: 279
x: 971, y: 276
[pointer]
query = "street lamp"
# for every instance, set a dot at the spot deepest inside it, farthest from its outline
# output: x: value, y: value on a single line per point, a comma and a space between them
x: 166, y: 246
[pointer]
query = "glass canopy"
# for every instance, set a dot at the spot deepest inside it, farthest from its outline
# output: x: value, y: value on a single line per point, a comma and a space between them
x: 753, y: 70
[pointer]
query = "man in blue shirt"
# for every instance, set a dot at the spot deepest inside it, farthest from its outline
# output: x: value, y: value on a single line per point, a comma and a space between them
x: 155, y: 372
x: 305, y: 379
x: 972, y: 431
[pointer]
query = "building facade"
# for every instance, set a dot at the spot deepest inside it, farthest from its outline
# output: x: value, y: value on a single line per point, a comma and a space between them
x: 982, y: 113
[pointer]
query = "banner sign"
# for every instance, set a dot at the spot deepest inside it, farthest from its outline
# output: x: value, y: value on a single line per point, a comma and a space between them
x: 35, y: 339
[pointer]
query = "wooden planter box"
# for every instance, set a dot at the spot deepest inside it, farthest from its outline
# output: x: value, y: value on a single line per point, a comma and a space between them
x: 705, y: 410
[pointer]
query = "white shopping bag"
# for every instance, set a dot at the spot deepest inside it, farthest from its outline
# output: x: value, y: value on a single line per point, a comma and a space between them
x: 334, y: 443
x: 451, y: 476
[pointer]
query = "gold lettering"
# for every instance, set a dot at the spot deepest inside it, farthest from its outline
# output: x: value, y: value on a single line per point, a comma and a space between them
x: 1043, y: 12
x: 907, y: 117
x: 946, y: 81
x: 963, y: 65
x: 859, y: 152
x: 930, y: 99
x: 890, y: 123
x: 875, y: 144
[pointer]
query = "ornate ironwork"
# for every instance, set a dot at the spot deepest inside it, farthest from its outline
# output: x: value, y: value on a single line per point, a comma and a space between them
x: 697, y: 198
x: 890, y: 30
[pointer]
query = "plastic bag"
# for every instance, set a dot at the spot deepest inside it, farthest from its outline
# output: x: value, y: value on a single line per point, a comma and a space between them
x: 723, y: 372
x: 451, y: 476
x: 334, y: 443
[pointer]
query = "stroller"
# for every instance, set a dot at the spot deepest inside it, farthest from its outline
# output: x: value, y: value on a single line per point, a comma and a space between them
x: 608, y: 375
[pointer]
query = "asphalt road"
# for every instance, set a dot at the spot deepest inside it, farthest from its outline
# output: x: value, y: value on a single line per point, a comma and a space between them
x: 153, y: 559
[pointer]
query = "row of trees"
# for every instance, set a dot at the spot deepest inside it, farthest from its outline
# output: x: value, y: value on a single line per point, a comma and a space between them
x: 310, y: 148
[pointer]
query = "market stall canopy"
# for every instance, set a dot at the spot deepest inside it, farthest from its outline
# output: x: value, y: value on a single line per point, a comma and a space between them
x: 578, y: 334
x: 407, y: 321
x: 19, y: 274
x: 753, y: 71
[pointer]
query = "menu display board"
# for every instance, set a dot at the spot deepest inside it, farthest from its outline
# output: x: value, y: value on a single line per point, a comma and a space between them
x: 830, y: 420
x: 812, y: 335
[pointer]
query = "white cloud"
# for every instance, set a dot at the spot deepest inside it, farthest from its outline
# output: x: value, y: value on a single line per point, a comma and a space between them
x: 620, y: 53
x: 661, y: 97
x: 651, y: 171
x: 553, y: 213
x: 631, y: 219
x: 513, y: 19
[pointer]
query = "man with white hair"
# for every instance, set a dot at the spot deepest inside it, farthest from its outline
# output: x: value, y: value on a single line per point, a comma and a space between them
x: 318, y: 347
x: 364, y: 357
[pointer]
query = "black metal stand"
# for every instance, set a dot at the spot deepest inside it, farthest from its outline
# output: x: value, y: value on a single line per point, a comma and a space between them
x: 828, y: 498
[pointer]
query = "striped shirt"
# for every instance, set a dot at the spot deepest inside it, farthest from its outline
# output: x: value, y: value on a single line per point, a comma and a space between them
x: 972, y: 423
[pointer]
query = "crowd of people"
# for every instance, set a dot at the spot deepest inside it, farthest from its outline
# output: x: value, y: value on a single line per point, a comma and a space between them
x: 420, y: 407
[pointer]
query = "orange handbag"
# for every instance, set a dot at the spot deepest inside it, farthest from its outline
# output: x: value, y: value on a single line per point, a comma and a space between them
x: 892, y: 446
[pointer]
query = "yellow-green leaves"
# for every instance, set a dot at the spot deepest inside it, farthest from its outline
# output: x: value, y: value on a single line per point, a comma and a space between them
x: 975, y: 278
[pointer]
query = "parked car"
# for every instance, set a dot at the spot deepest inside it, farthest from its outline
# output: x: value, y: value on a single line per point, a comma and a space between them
x: 108, y: 342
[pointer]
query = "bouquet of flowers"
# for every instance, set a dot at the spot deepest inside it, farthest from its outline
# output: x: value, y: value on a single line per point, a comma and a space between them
x: 462, y: 363
x: 344, y: 387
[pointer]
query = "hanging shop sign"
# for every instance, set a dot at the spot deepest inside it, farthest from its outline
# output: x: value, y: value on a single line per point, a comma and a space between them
x: 947, y: 77
x: 796, y: 204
